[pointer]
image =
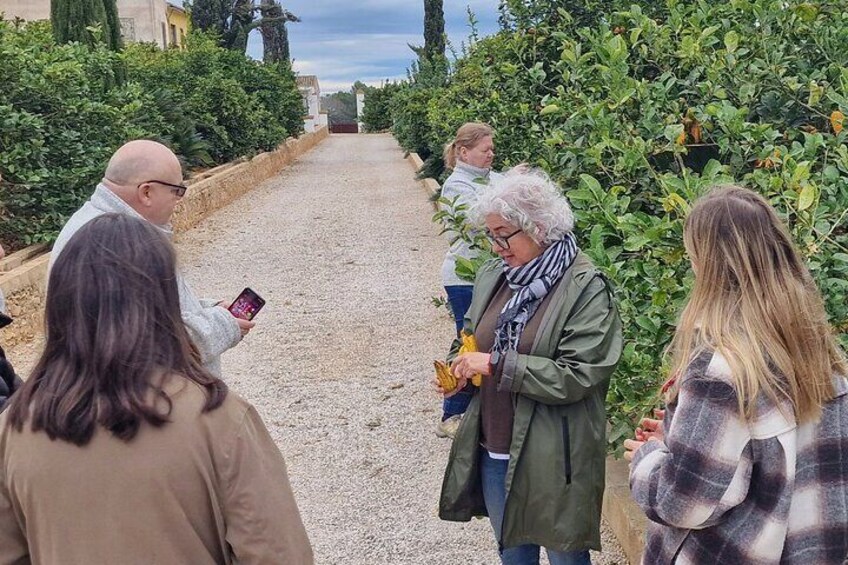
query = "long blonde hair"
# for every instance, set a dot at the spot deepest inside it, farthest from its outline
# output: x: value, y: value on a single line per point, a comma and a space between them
x: 756, y: 304
x: 468, y: 135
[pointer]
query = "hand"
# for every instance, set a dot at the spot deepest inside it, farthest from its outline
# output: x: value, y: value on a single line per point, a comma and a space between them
x: 460, y: 384
x: 245, y: 326
x: 631, y: 446
x: 650, y: 428
x: 469, y: 364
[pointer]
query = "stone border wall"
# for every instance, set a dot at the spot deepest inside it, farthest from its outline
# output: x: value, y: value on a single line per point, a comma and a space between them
x: 430, y: 185
x: 626, y: 519
x: 23, y: 275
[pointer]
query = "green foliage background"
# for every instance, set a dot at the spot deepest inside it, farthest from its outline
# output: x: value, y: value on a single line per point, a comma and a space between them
x: 376, y: 114
x: 64, y: 109
x: 600, y: 98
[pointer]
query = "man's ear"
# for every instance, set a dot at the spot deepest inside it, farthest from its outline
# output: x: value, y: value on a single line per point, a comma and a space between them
x: 144, y: 193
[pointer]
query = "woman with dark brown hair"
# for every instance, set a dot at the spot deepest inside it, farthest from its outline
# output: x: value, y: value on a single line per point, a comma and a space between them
x: 121, y: 447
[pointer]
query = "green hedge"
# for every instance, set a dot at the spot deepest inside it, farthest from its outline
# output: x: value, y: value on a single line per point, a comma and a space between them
x: 239, y: 106
x: 65, y: 108
x: 376, y: 115
x: 637, y: 116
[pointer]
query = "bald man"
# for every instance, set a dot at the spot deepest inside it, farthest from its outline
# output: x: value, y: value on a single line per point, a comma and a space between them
x: 144, y: 179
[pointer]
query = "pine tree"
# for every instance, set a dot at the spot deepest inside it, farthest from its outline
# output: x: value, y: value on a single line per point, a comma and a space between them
x: 71, y: 20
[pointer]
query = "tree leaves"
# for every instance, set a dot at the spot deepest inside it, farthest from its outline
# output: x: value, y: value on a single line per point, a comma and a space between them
x: 643, y: 109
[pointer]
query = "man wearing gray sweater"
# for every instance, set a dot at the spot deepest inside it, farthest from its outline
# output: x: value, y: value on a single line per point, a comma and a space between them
x: 144, y: 179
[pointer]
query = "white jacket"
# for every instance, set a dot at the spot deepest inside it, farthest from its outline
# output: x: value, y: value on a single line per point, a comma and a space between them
x: 465, y: 182
x: 213, y: 329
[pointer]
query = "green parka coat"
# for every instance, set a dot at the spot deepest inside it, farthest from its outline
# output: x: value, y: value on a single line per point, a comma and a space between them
x: 555, y: 480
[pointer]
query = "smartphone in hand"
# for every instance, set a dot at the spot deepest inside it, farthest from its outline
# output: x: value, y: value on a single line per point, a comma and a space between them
x: 247, y: 305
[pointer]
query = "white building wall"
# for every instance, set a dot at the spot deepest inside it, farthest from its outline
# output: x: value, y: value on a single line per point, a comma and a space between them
x: 360, y: 106
x: 312, y: 100
x: 25, y: 9
x: 141, y: 20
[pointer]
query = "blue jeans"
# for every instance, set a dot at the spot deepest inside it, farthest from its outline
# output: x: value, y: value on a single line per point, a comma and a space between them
x: 459, y: 299
x: 493, y: 477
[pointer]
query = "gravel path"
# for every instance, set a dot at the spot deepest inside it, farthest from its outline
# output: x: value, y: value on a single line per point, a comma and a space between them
x: 342, y: 248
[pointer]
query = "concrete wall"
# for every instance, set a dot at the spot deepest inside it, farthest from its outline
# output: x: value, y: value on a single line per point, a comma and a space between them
x: 312, y: 101
x: 147, y: 19
x: 430, y: 185
x: 23, y: 278
x: 25, y: 9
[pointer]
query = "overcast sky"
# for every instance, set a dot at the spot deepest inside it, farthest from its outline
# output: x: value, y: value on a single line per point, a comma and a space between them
x: 342, y: 41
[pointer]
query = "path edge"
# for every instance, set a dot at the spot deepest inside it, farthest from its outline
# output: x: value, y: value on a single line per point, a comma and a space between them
x: 432, y: 186
x: 23, y: 277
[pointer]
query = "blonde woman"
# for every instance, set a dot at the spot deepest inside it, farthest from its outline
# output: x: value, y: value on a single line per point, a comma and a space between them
x: 750, y: 464
x: 469, y: 156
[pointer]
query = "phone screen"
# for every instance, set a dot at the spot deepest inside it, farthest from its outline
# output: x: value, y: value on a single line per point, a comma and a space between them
x: 247, y: 305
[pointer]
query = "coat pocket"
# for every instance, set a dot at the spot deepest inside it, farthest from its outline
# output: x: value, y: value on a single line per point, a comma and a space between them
x: 566, y: 449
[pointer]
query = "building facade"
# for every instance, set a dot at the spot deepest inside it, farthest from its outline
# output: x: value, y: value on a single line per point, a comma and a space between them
x: 310, y: 90
x: 177, y: 19
x: 152, y: 21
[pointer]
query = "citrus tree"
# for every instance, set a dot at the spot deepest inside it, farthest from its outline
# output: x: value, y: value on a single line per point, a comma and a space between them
x: 637, y: 113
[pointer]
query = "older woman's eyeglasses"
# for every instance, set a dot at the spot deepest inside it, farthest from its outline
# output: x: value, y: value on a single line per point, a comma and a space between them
x: 179, y: 189
x: 501, y: 241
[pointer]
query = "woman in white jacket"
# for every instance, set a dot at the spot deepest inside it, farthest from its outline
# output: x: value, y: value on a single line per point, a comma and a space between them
x: 470, y: 157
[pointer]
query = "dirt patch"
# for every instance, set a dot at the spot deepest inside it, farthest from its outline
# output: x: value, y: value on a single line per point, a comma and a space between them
x: 27, y: 309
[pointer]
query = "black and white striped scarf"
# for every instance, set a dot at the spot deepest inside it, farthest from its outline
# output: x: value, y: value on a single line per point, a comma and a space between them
x: 530, y: 284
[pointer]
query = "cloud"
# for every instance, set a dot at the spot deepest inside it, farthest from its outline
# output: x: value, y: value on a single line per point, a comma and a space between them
x: 342, y: 41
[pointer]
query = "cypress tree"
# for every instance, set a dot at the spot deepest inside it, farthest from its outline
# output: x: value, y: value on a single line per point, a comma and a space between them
x: 241, y: 24
x: 434, y: 29
x: 210, y: 15
x: 275, y: 34
x: 114, y: 25
x: 72, y: 18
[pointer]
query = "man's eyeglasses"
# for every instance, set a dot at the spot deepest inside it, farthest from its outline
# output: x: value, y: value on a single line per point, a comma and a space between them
x: 501, y: 241
x: 179, y: 189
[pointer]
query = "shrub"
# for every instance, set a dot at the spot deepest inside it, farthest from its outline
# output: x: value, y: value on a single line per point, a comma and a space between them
x: 60, y: 118
x: 239, y: 106
x: 637, y: 116
x: 64, y: 109
x: 376, y: 115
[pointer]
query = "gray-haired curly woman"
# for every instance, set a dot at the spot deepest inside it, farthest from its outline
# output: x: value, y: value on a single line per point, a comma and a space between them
x: 530, y: 451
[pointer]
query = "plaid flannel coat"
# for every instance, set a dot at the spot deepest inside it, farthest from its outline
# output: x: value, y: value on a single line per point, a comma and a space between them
x: 723, y: 490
